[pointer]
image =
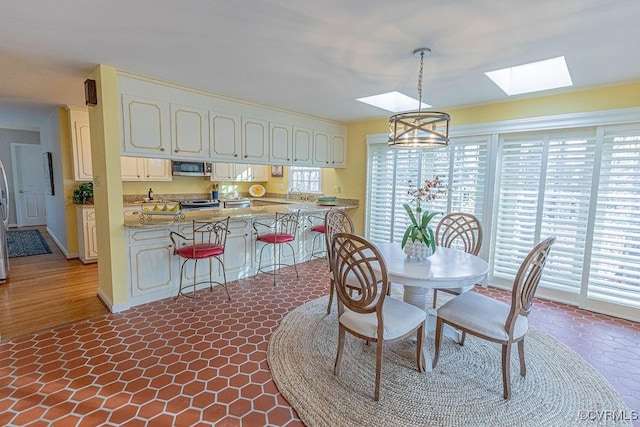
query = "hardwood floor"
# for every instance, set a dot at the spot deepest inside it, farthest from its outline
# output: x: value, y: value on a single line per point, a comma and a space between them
x: 45, y: 291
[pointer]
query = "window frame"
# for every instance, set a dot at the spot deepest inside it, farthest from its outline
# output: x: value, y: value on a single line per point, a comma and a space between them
x: 598, y: 120
x: 305, y: 188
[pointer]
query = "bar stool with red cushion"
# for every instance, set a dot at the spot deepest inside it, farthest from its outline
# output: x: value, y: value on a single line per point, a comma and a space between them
x: 207, y: 241
x: 318, y: 227
x: 282, y: 231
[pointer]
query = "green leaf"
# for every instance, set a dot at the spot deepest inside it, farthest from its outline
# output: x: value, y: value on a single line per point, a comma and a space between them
x: 405, y: 237
x: 411, y: 215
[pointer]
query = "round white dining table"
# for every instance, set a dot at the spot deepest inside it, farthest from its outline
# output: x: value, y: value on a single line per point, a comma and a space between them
x: 446, y: 268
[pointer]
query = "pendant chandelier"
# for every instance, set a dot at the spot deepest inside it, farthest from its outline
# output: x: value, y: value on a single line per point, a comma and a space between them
x: 419, y: 129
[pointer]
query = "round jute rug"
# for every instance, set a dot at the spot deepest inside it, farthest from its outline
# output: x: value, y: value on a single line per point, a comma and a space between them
x: 560, y: 388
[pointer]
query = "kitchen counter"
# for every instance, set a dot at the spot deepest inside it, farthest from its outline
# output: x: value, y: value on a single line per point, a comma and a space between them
x: 150, y: 220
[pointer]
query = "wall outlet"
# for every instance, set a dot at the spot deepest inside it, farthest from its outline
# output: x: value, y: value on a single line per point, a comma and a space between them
x: 281, y: 187
x: 337, y: 189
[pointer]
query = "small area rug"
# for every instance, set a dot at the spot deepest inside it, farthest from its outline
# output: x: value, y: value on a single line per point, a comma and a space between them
x: 26, y: 243
x: 560, y: 389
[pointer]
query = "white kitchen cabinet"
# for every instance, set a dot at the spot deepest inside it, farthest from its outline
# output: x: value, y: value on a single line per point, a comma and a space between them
x: 143, y: 169
x: 239, y: 139
x: 255, y: 136
x: 146, y: 126
x: 338, y: 151
x: 239, y: 172
x: 189, y: 132
x: 152, y: 266
x: 302, y: 146
x: 225, y: 136
x: 260, y: 173
x: 80, y: 143
x: 321, y: 149
x: 223, y: 172
x: 237, y: 251
x: 87, y: 235
x: 329, y: 150
x: 281, y: 144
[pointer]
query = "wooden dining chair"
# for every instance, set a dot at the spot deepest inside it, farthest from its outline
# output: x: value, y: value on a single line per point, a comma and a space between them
x: 494, y: 320
x: 335, y: 221
x: 368, y: 314
x: 462, y: 231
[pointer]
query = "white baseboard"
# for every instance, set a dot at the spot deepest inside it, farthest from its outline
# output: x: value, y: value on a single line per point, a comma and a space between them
x: 112, y: 308
x: 66, y: 254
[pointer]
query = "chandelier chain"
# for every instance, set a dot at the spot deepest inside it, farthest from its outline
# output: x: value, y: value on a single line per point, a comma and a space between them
x: 420, y: 81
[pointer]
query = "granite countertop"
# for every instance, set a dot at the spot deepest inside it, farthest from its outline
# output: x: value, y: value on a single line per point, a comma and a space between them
x: 166, y: 219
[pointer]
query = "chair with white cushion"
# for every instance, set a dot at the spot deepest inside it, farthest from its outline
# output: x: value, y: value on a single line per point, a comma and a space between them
x: 462, y: 231
x: 496, y: 321
x: 368, y: 314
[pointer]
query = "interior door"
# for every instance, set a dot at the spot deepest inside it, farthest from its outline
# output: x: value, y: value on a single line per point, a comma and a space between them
x: 28, y: 183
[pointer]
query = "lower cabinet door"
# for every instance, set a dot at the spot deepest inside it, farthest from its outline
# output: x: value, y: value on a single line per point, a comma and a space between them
x: 152, y: 268
x: 92, y: 240
x: 237, y: 251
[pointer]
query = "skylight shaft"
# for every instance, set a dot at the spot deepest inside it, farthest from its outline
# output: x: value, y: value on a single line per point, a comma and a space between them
x: 533, y: 77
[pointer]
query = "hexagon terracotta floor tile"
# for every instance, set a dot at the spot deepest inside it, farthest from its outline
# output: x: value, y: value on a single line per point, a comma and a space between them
x: 161, y: 364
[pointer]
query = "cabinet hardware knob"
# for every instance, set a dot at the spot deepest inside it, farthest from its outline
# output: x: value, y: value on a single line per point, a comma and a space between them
x: 161, y: 148
x: 245, y: 156
x: 235, y: 155
x: 176, y: 150
x: 288, y: 160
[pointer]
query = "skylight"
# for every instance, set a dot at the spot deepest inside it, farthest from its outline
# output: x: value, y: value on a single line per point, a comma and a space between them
x: 395, y: 102
x: 536, y: 76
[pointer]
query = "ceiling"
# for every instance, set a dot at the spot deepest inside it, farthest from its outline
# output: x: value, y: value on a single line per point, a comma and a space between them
x: 314, y: 57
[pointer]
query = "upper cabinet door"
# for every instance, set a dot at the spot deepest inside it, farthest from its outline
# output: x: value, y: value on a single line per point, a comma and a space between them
x: 321, y: 149
x: 281, y: 149
x: 80, y: 144
x: 157, y: 170
x: 131, y: 168
x: 302, y: 146
x: 189, y: 132
x: 225, y: 136
x: 146, y: 126
x: 222, y: 172
x: 338, y: 151
x: 260, y: 173
x: 255, y: 145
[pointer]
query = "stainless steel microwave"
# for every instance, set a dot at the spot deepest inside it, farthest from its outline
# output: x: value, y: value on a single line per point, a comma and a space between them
x: 191, y: 168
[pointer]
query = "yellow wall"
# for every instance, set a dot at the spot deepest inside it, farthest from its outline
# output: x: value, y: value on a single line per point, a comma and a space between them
x: 67, y: 181
x: 353, y: 179
x: 107, y: 185
x: 192, y: 185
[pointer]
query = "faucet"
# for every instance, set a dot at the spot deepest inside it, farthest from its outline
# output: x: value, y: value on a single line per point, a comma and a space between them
x: 297, y: 190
